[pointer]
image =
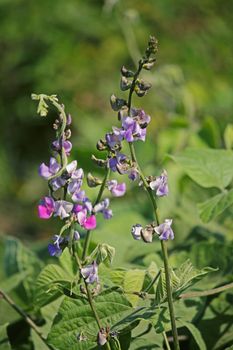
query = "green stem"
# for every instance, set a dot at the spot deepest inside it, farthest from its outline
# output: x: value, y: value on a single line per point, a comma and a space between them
x: 153, y: 201
x: 206, y: 292
x: 164, y: 251
x: 152, y: 282
x: 166, y: 341
x: 88, y: 235
x: 92, y: 305
x: 26, y: 317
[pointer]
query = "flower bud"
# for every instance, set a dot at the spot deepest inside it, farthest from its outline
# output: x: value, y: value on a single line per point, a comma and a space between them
x: 149, y: 64
x: 100, y: 162
x: 125, y: 84
x: 101, y: 145
x: 143, y: 85
x: 126, y: 73
x: 93, y: 181
x: 123, y: 112
x: 68, y: 134
x: 117, y: 103
x: 147, y: 233
x: 102, y: 337
x: 152, y: 46
x: 140, y: 93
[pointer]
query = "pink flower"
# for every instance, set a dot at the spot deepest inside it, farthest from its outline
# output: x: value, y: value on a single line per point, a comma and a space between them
x: 46, y: 208
x: 89, y: 223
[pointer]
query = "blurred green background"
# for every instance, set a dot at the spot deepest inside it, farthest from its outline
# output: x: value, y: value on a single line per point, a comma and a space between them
x: 75, y: 49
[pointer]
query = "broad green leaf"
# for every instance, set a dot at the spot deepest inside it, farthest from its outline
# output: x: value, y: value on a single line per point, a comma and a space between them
x: 49, y: 284
x: 207, y: 167
x: 37, y: 342
x: 214, y: 206
x: 13, y: 281
x: 133, y: 282
x: 68, y: 262
x: 195, y: 333
x: 228, y: 136
x: 181, y: 279
x: 75, y: 318
x: 4, y: 341
x: 19, y: 259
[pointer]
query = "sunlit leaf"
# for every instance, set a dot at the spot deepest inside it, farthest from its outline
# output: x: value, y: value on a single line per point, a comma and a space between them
x: 207, y: 167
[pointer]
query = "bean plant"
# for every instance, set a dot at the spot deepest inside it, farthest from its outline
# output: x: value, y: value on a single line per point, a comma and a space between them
x: 94, y: 305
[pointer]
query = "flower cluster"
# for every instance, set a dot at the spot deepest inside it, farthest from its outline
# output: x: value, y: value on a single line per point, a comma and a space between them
x: 67, y: 199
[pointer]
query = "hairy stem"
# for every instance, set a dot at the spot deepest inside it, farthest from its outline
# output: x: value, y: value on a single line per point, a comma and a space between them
x: 25, y: 316
x: 88, y: 235
x: 92, y: 305
x: 153, y: 201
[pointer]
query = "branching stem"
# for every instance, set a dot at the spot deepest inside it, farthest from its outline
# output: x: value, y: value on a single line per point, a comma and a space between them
x: 25, y: 316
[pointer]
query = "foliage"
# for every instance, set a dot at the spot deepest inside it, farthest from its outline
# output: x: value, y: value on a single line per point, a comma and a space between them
x: 76, y: 54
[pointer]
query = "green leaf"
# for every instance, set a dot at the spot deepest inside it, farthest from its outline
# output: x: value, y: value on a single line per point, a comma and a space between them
x: 50, y: 283
x: 195, y: 333
x: 13, y: 281
x: 228, y: 136
x: 207, y: 167
x: 75, y: 317
x: 214, y: 206
x: 68, y: 262
x: 4, y: 341
x: 133, y: 282
x: 181, y: 279
x: 19, y: 259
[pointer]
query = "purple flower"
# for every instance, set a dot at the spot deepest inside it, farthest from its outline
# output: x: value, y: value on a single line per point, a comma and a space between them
x: 116, y: 161
x: 116, y: 189
x: 133, y: 131
x: 76, y: 235
x: 47, y: 171
x: 46, y: 208
x: 89, y: 223
x: 102, y: 207
x: 58, y: 182
x: 55, y: 248
x: 114, y: 138
x: 136, y: 231
x: 164, y: 230
x: 90, y: 273
x: 87, y: 204
x: 63, y: 209
x: 76, y: 178
x: 107, y: 213
x: 102, y: 337
x: 141, y: 117
x: 57, y: 146
x: 78, y: 196
x: 159, y: 185
x: 133, y: 174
